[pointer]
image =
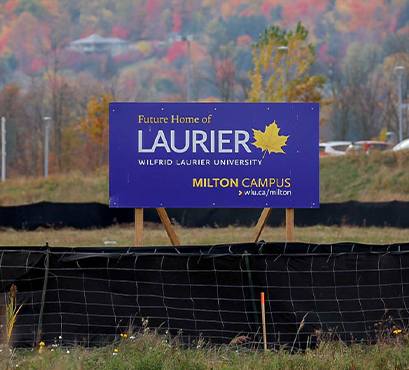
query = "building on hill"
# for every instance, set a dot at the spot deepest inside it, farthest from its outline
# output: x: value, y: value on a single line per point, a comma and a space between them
x: 98, y: 44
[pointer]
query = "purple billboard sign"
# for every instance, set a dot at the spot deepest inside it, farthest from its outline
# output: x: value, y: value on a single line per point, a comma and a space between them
x: 214, y: 155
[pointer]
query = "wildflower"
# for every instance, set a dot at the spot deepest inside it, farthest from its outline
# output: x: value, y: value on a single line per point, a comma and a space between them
x: 124, y: 335
x: 116, y: 350
x: 68, y: 351
x: 60, y: 337
x: 397, y: 331
x: 132, y: 337
x: 41, y: 344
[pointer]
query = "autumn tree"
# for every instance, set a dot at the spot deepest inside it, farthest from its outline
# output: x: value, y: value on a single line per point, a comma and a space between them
x: 341, y: 96
x: 225, y: 81
x: 363, y: 93
x: 267, y: 75
x: 22, y: 151
x: 50, y: 44
x: 95, y: 127
x: 223, y: 72
x: 390, y: 87
x: 8, y: 64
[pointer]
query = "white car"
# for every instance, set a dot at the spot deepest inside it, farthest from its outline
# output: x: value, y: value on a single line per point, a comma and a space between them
x: 402, y: 145
x: 334, y: 147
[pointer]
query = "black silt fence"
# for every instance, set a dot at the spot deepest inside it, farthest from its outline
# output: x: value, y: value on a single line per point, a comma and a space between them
x: 89, y: 296
x: 88, y: 215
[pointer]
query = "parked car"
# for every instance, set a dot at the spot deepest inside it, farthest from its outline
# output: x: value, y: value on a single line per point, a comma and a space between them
x: 402, y: 145
x: 334, y: 147
x: 366, y: 146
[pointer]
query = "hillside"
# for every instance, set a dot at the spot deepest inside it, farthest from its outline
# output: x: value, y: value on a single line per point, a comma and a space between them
x: 379, y: 177
x: 375, y: 178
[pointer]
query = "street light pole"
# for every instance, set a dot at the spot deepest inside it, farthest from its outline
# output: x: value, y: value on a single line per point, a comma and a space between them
x: 283, y: 50
x: 189, y: 72
x: 3, y: 149
x: 46, y: 144
x: 399, y: 70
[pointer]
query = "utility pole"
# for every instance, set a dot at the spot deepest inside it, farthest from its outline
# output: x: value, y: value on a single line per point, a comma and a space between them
x: 3, y: 149
x: 189, y: 71
x: 399, y: 70
x: 46, y: 144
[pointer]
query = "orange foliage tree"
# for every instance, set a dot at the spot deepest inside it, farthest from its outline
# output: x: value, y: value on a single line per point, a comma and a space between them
x: 95, y: 127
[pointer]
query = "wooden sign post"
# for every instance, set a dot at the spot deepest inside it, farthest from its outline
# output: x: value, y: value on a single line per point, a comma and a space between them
x: 168, y: 226
x: 260, y: 224
x: 262, y: 221
x: 165, y: 221
x: 289, y: 224
x: 138, y: 227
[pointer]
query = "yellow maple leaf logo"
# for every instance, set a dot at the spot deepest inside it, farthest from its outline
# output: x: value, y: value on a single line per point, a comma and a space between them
x: 270, y: 140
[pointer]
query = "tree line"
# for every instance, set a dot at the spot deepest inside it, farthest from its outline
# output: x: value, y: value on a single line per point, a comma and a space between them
x: 341, y: 55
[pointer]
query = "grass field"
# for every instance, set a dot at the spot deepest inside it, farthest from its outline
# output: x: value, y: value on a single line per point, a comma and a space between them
x: 149, y: 352
x: 381, y: 176
x: 72, y: 187
x: 155, y: 235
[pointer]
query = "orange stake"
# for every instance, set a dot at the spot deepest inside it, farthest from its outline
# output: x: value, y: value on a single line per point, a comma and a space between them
x: 263, y: 316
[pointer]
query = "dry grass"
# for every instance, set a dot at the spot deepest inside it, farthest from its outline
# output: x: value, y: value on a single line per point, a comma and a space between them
x: 155, y: 235
x: 149, y: 351
x: 72, y: 187
x: 378, y: 177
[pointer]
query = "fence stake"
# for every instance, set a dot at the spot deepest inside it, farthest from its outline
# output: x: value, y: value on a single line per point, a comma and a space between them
x: 40, y: 317
x: 252, y: 295
x: 263, y: 317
